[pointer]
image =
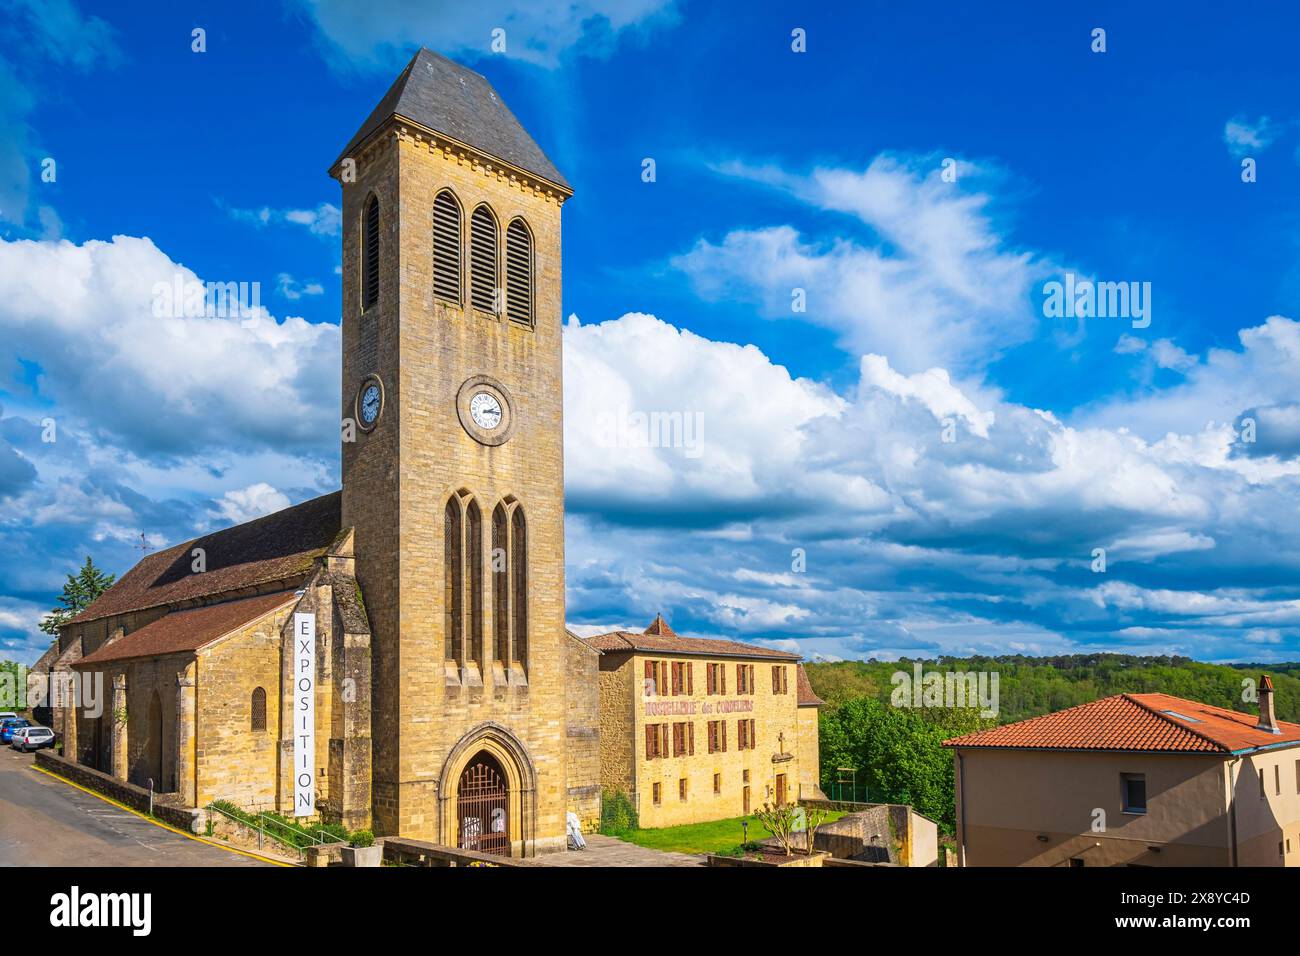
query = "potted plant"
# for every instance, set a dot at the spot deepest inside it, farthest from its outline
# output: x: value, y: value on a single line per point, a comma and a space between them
x: 362, y: 851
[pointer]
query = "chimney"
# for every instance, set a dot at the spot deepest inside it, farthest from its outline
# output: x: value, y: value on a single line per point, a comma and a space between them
x: 1267, y: 715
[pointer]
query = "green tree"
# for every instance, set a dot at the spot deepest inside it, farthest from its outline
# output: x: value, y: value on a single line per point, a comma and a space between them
x: 898, y: 752
x: 78, y: 594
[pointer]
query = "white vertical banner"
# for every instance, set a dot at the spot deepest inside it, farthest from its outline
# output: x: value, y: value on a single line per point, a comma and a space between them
x: 304, y: 715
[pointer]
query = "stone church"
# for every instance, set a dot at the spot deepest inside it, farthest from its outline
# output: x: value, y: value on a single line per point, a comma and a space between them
x: 450, y: 703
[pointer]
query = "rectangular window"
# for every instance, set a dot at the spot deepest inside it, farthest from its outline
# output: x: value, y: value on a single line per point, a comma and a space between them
x: 710, y: 688
x: 1277, y: 779
x: 681, y: 789
x: 779, y: 685
x: 744, y: 776
x: 717, y: 737
x: 744, y: 678
x: 656, y: 793
x: 740, y: 735
x: 1134, y: 786
x: 656, y: 741
x: 683, y: 739
x: 1297, y: 776
x: 677, y: 678
x: 717, y: 783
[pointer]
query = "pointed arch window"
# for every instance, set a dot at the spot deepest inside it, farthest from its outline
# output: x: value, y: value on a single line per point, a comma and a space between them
x: 258, y: 708
x: 446, y: 247
x: 463, y: 580
x: 500, y: 585
x: 474, y: 578
x: 453, y: 590
x: 519, y: 272
x: 509, y: 584
x: 519, y: 572
x: 483, y: 255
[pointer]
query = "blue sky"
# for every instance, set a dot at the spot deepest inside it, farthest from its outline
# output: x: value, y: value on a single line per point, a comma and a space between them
x: 920, y: 462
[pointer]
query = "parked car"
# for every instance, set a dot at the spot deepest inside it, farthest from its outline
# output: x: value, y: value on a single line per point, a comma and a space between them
x: 32, y: 738
x: 9, y: 726
x: 7, y: 715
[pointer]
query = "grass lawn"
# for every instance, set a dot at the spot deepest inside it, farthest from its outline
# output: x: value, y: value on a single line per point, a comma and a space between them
x: 715, y: 836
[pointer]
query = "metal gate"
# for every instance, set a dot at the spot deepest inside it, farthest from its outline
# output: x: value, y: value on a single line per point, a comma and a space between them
x: 482, y: 814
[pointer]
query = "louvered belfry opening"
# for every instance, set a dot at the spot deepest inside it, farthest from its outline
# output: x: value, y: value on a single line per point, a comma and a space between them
x: 446, y: 247
x: 483, y: 260
x: 370, y: 254
x: 519, y: 273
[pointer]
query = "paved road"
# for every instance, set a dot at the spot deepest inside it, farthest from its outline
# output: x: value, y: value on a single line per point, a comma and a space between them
x: 44, y: 822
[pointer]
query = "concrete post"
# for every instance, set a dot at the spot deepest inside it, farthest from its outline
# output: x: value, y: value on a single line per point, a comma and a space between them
x: 118, y: 728
x: 186, y: 784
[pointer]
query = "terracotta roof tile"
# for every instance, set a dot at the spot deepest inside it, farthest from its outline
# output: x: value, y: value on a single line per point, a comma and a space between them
x: 277, y: 547
x: 670, y: 643
x: 1141, y: 722
x: 807, y: 696
x: 189, y: 630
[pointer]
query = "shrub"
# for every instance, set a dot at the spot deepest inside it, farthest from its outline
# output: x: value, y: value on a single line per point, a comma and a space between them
x: 362, y: 839
x: 617, y: 815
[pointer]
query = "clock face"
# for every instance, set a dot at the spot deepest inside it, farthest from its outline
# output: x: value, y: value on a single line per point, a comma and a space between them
x: 485, y: 410
x: 370, y: 400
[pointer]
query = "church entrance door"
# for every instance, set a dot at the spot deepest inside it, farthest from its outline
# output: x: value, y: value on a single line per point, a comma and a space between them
x: 482, y: 808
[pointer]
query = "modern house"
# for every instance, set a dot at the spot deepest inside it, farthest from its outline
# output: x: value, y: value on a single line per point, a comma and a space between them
x: 1132, y: 780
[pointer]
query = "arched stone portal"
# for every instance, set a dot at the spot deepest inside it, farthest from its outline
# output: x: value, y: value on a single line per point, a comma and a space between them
x: 487, y: 794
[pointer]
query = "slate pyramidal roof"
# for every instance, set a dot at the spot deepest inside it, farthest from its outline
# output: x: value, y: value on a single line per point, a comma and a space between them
x: 444, y: 97
x: 1147, y: 723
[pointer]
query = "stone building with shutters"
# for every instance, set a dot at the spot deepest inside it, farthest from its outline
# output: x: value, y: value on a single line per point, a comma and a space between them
x: 448, y: 696
x: 697, y: 729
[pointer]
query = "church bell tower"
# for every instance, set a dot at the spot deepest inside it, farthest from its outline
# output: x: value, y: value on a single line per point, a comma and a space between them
x: 452, y: 447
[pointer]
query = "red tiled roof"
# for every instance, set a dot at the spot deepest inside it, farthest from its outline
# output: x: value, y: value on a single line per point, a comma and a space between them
x: 1141, y: 722
x: 807, y: 696
x: 660, y: 628
x: 190, y: 630
x: 659, y: 638
x: 277, y: 547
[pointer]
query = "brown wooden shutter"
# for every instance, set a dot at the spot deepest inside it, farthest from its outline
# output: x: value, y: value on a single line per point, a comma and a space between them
x: 690, y: 678
x: 690, y: 739
x: 649, y: 742
x: 722, y: 676
x: 723, y: 725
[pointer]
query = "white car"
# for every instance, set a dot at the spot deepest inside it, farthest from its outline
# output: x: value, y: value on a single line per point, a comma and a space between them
x: 33, y: 738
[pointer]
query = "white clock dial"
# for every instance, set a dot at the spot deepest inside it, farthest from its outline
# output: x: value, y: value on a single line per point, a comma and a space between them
x: 370, y: 404
x: 485, y: 410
